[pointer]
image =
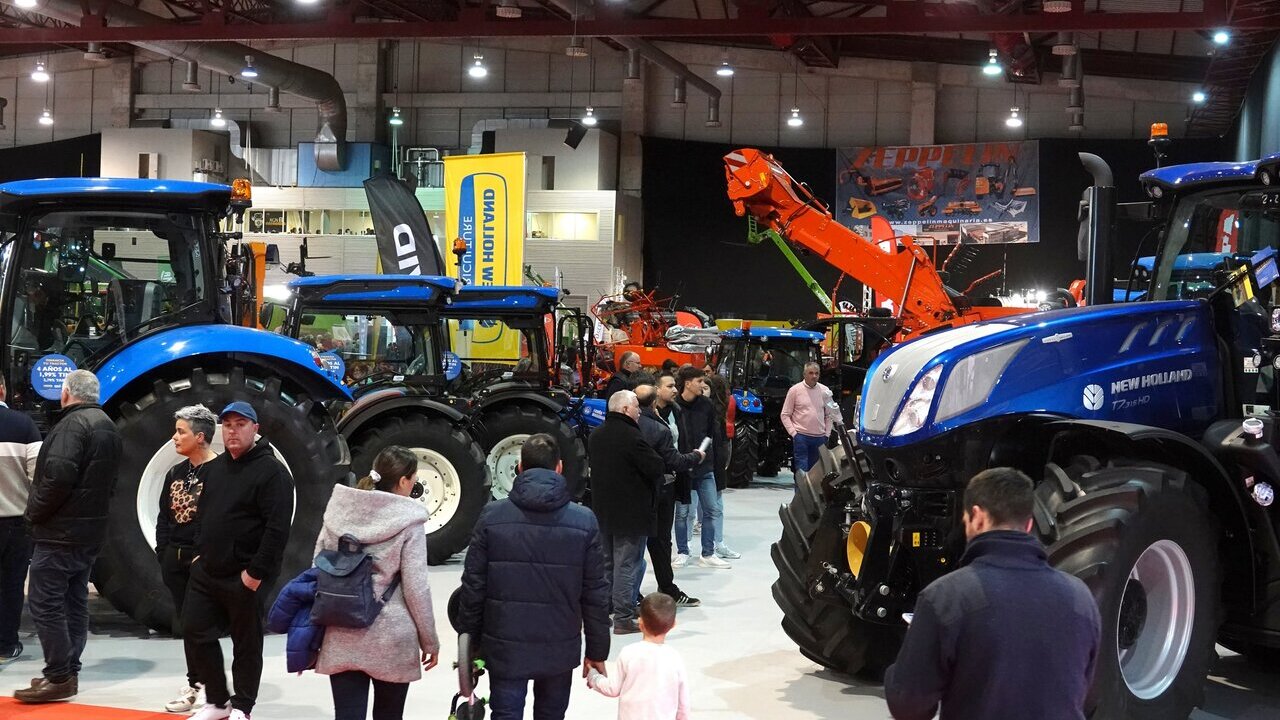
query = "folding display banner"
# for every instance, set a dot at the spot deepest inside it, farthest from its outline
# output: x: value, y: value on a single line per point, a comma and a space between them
x: 405, y: 243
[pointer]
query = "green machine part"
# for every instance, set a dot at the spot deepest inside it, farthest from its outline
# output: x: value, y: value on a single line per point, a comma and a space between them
x: 755, y: 236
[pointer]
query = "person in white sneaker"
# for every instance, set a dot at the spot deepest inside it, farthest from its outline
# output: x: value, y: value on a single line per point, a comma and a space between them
x: 697, y: 423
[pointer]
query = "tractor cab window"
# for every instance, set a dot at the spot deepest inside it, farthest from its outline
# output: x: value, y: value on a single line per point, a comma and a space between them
x: 490, y: 349
x: 1210, y: 230
x: 373, y: 347
x: 781, y: 365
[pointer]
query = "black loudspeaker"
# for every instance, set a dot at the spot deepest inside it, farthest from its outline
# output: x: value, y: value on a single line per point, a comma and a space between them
x: 577, y: 131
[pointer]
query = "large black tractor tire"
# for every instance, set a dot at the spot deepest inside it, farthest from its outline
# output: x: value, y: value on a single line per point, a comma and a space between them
x: 1142, y: 538
x: 450, y: 466
x: 745, y: 455
x: 826, y: 631
x: 502, y: 430
x: 127, y: 573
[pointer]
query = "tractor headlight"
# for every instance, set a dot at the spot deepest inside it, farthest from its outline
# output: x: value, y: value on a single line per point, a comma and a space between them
x: 973, y: 378
x: 915, y: 411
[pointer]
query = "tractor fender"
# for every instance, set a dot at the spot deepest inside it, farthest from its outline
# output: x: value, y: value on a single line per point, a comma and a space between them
x: 394, y: 402
x: 488, y: 402
x: 286, y: 357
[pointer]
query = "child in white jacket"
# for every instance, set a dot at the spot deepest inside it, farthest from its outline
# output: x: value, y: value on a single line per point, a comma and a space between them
x: 649, y: 679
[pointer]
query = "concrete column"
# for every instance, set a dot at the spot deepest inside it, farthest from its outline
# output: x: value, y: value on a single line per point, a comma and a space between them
x: 124, y: 83
x: 367, y: 118
x: 924, y: 102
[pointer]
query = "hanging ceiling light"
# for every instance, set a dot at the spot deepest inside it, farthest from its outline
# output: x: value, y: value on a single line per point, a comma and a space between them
x: 1014, y: 120
x: 39, y: 74
x: 395, y: 120
x: 1199, y: 97
x: 993, y: 64
x: 795, y: 120
x: 1221, y: 37
x: 307, y: 2
x: 1056, y: 6
x: 46, y: 117
x: 218, y: 120
x: 508, y: 9
x: 590, y: 118
x: 725, y: 69
x: 248, y: 71
x: 478, y: 70
x: 575, y: 48
x: 25, y: 3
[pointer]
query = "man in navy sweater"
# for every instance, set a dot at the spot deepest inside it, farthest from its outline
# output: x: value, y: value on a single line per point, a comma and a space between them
x: 979, y: 643
x: 19, y: 446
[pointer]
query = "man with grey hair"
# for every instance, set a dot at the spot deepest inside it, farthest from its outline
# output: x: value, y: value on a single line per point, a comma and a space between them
x: 807, y: 414
x: 626, y: 476
x: 624, y: 379
x: 67, y: 511
x: 19, y: 444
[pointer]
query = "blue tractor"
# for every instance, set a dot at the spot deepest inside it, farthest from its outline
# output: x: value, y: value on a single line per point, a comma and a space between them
x: 137, y: 281
x: 1149, y: 426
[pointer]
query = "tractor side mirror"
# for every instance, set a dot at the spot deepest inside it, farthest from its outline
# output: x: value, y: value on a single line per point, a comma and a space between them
x: 108, y: 251
x: 273, y: 254
x: 272, y: 315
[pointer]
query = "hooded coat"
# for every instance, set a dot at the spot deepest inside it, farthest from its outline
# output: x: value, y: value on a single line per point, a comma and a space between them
x: 291, y: 614
x: 393, y: 530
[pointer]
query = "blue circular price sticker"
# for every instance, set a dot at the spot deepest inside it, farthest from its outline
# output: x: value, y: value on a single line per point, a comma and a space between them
x: 48, y: 373
x: 452, y: 365
x: 334, y: 365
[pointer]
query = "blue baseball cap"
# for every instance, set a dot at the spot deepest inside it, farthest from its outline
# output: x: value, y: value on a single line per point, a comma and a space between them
x: 239, y: 407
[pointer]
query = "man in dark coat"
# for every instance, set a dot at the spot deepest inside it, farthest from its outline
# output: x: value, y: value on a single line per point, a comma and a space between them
x: 533, y: 581
x: 978, y: 642
x: 626, y: 475
x: 698, y: 416
x: 67, y: 510
x: 628, y: 366
x: 655, y: 395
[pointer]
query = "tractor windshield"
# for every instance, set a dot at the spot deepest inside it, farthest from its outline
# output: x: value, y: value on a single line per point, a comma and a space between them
x: 1209, y: 229
x: 373, y: 347
x: 492, y: 350
x: 765, y: 363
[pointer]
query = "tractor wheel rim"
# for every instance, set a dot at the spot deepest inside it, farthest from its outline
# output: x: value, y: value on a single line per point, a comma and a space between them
x: 443, y: 494
x: 502, y: 462
x: 1158, y: 611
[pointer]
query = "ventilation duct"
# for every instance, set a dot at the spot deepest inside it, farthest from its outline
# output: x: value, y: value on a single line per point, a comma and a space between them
x: 3, y: 103
x: 678, y: 101
x: 1070, y: 72
x: 228, y: 58
x: 192, y: 83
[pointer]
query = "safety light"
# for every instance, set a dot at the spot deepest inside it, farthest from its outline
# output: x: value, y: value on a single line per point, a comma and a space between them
x: 1159, y: 130
x: 590, y: 118
x: 46, y: 117
x: 1221, y: 37
x: 725, y: 69
x: 241, y: 190
x: 1198, y: 97
x: 39, y: 74
x: 993, y: 64
x: 248, y: 71
x: 795, y: 120
x: 218, y: 120
x: 1013, y: 121
x: 478, y: 70
x: 395, y: 119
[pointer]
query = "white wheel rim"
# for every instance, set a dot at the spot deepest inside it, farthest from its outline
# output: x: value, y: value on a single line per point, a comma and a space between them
x: 503, y: 461
x: 1156, y: 618
x: 151, y: 484
x: 443, y: 494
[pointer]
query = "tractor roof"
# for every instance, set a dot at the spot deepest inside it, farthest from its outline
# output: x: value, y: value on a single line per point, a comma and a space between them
x: 500, y: 299
x: 374, y: 290
x: 1208, y: 173
x: 21, y: 194
x: 772, y: 333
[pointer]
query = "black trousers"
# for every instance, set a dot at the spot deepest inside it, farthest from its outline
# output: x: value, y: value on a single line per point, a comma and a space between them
x: 175, y: 568
x: 351, y: 697
x: 660, y: 544
x: 58, y: 597
x: 214, y: 603
x: 15, y: 557
x: 550, y: 697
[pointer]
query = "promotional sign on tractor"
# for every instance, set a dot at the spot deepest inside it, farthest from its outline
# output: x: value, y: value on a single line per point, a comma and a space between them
x: 484, y: 216
x: 978, y: 193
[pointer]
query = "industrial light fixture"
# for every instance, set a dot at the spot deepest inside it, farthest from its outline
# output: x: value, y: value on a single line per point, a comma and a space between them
x: 248, y: 71
x: 1014, y: 120
x: 395, y: 120
x: 477, y: 69
x: 725, y: 69
x: 1221, y: 37
x: 46, y: 117
x: 993, y: 64
x: 795, y: 120
x: 576, y: 49
x: 39, y: 74
x: 590, y: 118
x: 217, y: 120
x: 307, y: 2
x: 508, y: 9
x: 25, y: 3
x: 1056, y: 6
x: 1199, y: 97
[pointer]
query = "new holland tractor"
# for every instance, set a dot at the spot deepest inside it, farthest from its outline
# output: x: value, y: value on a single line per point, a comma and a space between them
x: 1149, y: 427
x: 139, y: 282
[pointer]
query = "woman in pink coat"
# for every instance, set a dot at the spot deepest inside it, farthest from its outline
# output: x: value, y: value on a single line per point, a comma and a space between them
x: 383, y: 516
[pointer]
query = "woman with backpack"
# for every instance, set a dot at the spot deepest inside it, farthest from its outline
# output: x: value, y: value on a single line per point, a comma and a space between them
x: 391, y: 526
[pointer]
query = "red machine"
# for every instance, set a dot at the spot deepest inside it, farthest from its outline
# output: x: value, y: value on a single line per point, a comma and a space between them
x: 645, y: 321
x: 894, y: 267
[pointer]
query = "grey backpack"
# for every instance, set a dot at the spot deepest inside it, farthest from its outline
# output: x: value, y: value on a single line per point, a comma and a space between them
x: 344, y: 587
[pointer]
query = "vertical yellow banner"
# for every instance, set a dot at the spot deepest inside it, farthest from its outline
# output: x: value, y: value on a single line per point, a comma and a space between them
x: 484, y: 205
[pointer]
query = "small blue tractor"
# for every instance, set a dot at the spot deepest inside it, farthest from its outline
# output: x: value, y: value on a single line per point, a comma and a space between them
x: 139, y: 282
x: 1149, y: 427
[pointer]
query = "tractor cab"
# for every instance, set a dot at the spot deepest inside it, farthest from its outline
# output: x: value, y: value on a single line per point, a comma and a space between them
x: 850, y: 343
x: 502, y: 338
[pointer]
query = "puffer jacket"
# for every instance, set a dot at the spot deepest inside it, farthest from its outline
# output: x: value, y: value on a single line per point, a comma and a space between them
x: 393, y: 530
x: 292, y: 614
x: 75, y: 476
x: 534, y: 580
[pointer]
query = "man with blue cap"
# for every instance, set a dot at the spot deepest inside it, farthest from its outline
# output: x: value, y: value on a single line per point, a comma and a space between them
x: 245, y: 512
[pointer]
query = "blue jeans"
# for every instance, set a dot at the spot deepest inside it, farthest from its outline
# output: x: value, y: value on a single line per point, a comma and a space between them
x: 623, y: 558
x: 550, y: 697
x: 711, y: 512
x: 58, y: 597
x: 805, y: 450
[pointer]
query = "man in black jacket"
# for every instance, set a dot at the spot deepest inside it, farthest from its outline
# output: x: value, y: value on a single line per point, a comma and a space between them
x: 532, y: 582
x: 699, y: 423
x: 626, y: 475
x: 245, y: 511
x: 628, y: 366
x: 978, y: 643
x: 67, y: 511
x: 654, y: 396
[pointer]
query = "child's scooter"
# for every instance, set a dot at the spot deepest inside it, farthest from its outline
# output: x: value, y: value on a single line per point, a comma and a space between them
x: 465, y: 705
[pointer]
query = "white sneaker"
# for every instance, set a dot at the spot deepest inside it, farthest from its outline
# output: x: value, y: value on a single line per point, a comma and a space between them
x: 189, y: 698
x: 713, y: 562
x: 680, y: 560
x: 214, y: 712
x: 697, y: 528
x: 726, y: 552
x: 238, y: 715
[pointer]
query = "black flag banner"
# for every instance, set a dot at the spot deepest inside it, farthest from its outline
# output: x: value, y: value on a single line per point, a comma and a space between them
x: 405, y: 243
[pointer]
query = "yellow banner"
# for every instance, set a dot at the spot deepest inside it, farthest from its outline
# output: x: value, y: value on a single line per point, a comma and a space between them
x: 484, y: 206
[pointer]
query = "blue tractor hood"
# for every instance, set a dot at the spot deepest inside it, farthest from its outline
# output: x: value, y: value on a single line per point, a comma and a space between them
x: 1153, y: 363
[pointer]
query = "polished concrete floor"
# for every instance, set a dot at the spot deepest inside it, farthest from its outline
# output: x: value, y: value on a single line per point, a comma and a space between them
x: 741, y: 665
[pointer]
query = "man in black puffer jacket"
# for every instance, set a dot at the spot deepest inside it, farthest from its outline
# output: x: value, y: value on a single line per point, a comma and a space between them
x: 67, y: 509
x: 532, y: 582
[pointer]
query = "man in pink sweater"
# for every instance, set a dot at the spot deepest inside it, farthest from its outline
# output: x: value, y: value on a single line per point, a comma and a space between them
x: 807, y: 414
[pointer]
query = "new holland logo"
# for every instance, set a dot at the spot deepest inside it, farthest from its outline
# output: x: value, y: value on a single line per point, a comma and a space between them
x: 1093, y: 397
